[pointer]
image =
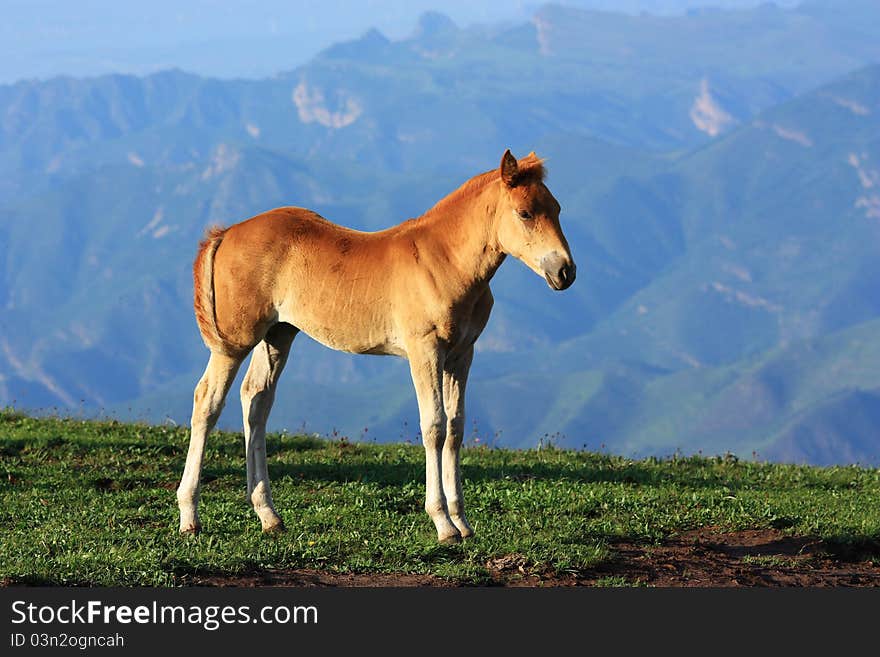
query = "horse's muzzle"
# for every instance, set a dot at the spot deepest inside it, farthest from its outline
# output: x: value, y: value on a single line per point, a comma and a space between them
x: 559, y: 271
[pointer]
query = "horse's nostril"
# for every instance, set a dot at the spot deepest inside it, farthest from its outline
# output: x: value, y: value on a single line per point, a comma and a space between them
x: 566, y: 274
x: 558, y: 269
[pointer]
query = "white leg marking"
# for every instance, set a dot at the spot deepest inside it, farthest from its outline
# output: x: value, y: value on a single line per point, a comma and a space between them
x: 208, y: 400
x: 257, y: 396
x: 426, y: 369
x: 454, y: 381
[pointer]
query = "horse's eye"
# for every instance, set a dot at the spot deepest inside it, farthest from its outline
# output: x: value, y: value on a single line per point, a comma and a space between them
x: 525, y: 214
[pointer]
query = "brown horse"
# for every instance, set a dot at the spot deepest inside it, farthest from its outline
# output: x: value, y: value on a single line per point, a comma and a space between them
x: 418, y: 290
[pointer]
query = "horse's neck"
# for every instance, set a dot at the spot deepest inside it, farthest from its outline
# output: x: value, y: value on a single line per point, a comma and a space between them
x: 465, y: 232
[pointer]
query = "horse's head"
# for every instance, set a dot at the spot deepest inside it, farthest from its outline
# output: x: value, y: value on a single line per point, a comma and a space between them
x: 528, y: 221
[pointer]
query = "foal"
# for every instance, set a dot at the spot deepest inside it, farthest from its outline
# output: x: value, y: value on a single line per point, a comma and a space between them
x: 418, y: 290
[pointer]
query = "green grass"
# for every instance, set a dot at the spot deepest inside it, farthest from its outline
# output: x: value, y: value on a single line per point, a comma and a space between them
x: 773, y: 561
x: 93, y: 503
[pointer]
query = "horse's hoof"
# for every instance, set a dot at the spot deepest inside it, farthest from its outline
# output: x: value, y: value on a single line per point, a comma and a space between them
x: 275, y: 528
x: 452, y: 539
x: 463, y: 527
x: 190, y: 530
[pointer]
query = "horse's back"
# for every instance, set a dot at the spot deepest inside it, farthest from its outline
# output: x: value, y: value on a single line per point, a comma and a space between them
x: 281, y: 227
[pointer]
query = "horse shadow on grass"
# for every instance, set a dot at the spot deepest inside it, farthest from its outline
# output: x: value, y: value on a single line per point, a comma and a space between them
x: 399, y: 473
x: 683, y: 474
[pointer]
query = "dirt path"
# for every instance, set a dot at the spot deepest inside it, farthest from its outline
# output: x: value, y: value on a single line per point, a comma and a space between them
x: 699, y: 558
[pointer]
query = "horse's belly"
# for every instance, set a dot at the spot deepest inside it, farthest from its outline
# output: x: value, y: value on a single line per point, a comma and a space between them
x: 356, y: 333
x: 357, y: 344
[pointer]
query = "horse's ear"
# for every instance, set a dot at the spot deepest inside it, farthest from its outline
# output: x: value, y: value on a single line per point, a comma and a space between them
x: 509, y: 169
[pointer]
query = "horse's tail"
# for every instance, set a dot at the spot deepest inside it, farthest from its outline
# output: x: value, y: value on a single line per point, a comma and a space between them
x: 203, y: 288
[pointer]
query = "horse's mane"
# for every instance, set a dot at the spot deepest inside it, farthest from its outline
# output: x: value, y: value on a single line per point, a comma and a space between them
x: 530, y: 169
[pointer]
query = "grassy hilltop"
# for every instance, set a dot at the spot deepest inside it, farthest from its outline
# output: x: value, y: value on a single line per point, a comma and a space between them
x: 93, y: 503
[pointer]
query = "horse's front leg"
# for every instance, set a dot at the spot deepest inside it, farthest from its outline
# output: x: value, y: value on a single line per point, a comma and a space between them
x: 426, y: 366
x: 455, y: 375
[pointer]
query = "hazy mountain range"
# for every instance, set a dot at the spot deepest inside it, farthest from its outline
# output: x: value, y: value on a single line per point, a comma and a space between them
x: 236, y: 38
x: 719, y: 174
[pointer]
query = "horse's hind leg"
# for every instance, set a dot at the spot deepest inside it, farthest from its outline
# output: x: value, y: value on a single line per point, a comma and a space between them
x: 257, y: 395
x: 208, y: 402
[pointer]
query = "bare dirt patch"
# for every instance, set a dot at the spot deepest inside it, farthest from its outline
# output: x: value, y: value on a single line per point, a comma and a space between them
x: 701, y: 558
x: 764, y: 557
